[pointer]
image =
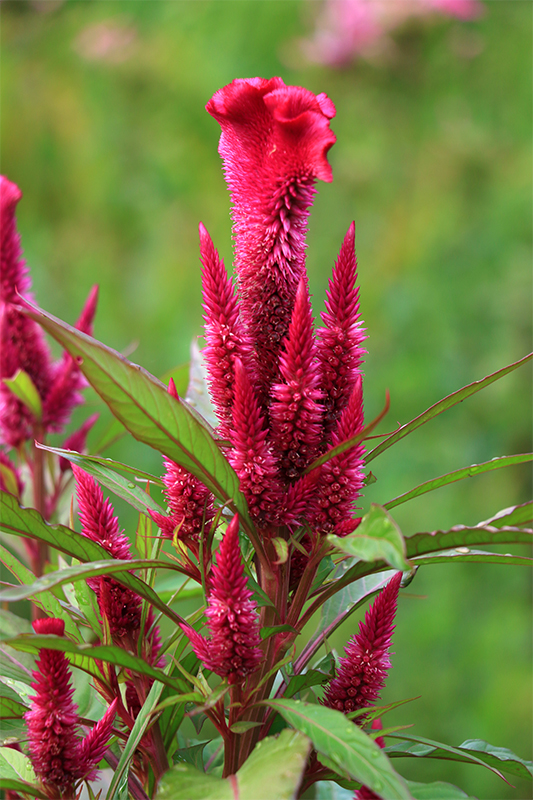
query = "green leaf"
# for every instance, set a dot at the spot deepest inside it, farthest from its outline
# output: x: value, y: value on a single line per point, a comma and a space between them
x: 478, y: 556
x: 22, y: 386
x: 305, y: 680
x: 499, y: 756
x: 8, y: 475
x: 443, y: 405
x: 438, y: 790
x: 24, y: 787
x: 145, y: 407
x: 273, y: 770
x: 107, y: 475
x: 458, y: 475
x: 343, y: 747
x: 378, y: 537
x: 513, y: 516
x: 410, y: 746
x: 28, y: 522
x: 11, y: 709
x: 14, y: 764
x: 244, y: 725
x: 142, y: 722
x: 463, y: 536
x: 46, y: 601
x: 109, y: 653
x: 267, y: 632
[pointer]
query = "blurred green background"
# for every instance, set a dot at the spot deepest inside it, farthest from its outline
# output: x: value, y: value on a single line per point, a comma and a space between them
x: 104, y: 129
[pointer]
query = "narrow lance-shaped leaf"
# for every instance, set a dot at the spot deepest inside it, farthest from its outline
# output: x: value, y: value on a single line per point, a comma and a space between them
x: 443, y: 405
x: 109, y: 653
x: 458, y: 475
x: 22, y: 386
x: 148, y: 411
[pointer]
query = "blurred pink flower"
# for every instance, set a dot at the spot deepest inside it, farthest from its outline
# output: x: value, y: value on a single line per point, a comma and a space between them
x: 347, y: 29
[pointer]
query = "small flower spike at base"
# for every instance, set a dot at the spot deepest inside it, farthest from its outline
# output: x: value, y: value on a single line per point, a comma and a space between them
x: 233, y: 650
x: 362, y: 672
x: 60, y: 759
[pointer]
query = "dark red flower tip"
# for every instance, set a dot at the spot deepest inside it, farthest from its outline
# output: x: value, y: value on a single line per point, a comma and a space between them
x: 53, y: 626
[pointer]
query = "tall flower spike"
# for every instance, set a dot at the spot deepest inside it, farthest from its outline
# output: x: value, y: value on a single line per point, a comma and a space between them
x: 362, y: 672
x: 120, y: 605
x: 225, y: 335
x: 339, y: 342
x: 274, y: 142
x: 22, y: 344
x: 58, y: 756
x: 67, y: 380
x: 341, y: 478
x: 295, y: 415
x: 251, y: 457
x: 190, y: 503
x: 233, y: 650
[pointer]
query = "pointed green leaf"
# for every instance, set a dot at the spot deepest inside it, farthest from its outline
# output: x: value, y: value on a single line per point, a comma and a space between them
x: 273, y: 770
x: 377, y: 537
x: 17, y: 785
x: 459, y: 475
x: 443, y: 405
x: 145, y: 407
x: 343, y: 747
x: 410, y: 746
x: 505, y: 759
x: 14, y: 764
x: 438, y: 790
x: 477, y: 556
x: 513, y: 516
x: 109, y: 653
x: 463, y: 536
x: 22, y: 386
x: 107, y: 474
x: 11, y: 709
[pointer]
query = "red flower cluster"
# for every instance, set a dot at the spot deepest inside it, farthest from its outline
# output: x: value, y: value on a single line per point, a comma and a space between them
x: 59, y: 757
x: 233, y: 649
x: 362, y: 672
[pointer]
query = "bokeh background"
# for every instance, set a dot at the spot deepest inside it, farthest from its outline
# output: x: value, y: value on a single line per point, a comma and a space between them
x: 104, y: 130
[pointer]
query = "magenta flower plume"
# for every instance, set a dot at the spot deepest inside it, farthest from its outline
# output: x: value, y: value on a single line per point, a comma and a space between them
x: 120, y: 605
x: 233, y: 649
x: 341, y: 478
x: 274, y: 143
x: 362, y: 672
x: 190, y: 503
x: 58, y: 756
x: 251, y: 457
x: 67, y: 380
x: 225, y: 335
x: 295, y: 413
x: 22, y: 345
x: 339, y: 342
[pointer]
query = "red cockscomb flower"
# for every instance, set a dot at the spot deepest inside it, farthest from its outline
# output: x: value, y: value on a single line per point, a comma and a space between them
x: 363, y: 669
x: 233, y: 649
x: 274, y: 143
x: 60, y: 759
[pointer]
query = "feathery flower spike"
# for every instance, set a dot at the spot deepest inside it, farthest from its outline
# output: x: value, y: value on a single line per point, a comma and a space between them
x: 22, y: 344
x: 234, y: 647
x: 362, y: 672
x: 295, y: 414
x: 251, y: 457
x: 67, y: 380
x: 224, y: 332
x: 274, y: 143
x: 341, y: 478
x: 58, y: 756
x: 190, y: 503
x: 339, y: 341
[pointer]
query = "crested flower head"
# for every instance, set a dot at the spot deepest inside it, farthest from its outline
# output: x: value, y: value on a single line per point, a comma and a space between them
x: 233, y: 650
x: 60, y: 759
x: 362, y: 672
x: 274, y: 143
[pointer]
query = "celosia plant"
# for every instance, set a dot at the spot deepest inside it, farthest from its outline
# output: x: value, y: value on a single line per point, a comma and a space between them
x: 265, y: 520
